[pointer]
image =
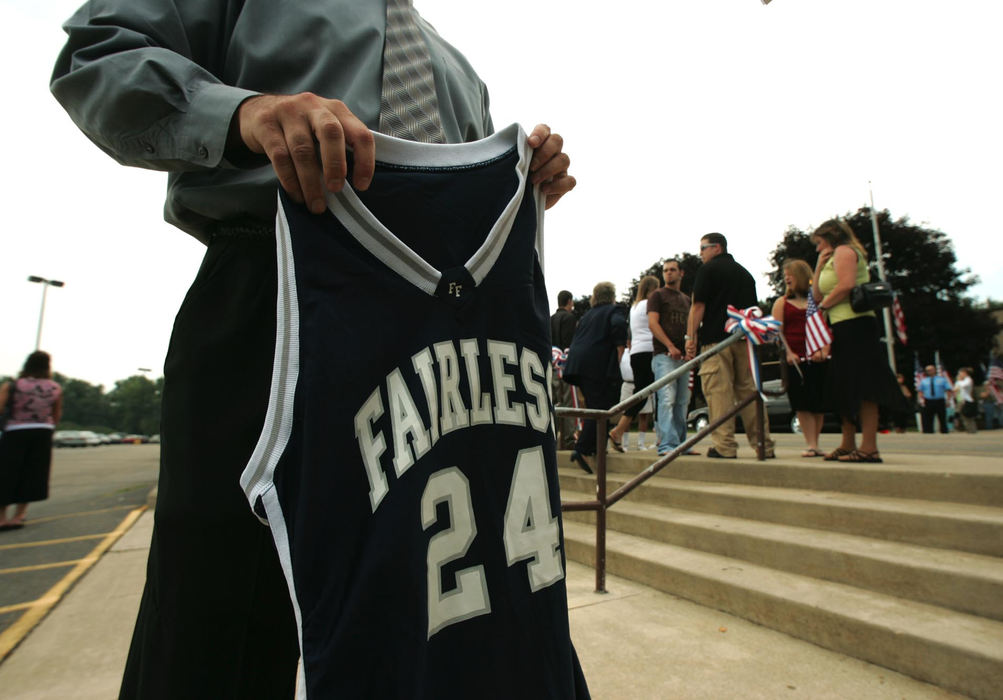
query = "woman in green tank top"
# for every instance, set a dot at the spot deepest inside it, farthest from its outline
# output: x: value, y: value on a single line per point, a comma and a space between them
x: 859, y: 379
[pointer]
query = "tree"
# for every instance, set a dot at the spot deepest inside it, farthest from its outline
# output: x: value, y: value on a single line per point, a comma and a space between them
x: 135, y: 404
x: 84, y: 404
x: 920, y: 265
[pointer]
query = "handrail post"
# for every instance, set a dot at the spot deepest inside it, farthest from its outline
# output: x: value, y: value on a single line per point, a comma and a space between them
x: 761, y: 428
x: 601, y: 438
x: 761, y: 420
x: 602, y: 503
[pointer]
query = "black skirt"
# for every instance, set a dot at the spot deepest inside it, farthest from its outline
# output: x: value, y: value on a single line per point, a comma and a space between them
x: 859, y: 371
x: 25, y: 462
x: 807, y: 393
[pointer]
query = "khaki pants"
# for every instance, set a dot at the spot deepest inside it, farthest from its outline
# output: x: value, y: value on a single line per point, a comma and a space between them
x: 561, y: 393
x: 726, y: 379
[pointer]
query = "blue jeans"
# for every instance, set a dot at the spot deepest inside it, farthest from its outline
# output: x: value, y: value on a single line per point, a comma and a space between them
x: 673, y: 400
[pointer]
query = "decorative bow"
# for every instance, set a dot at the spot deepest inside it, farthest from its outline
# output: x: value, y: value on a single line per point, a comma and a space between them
x: 758, y: 329
x: 558, y: 360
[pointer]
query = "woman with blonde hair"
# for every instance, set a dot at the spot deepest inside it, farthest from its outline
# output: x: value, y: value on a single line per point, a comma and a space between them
x: 806, y: 377
x: 36, y: 404
x: 641, y: 350
x: 859, y: 379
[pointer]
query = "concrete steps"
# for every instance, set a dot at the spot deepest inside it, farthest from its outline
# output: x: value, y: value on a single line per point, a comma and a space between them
x: 920, y: 478
x: 956, y: 651
x: 977, y: 529
x: 912, y: 584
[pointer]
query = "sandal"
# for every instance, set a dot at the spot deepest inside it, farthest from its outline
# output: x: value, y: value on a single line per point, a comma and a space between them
x: 858, y: 456
x: 837, y: 453
x: 618, y: 446
x: 812, y: 452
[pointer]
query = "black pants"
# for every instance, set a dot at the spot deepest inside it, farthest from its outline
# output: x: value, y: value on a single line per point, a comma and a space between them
x: 644, y: 376
x: 215, y: 619
x: 599, y: 395
x: 934, y: 407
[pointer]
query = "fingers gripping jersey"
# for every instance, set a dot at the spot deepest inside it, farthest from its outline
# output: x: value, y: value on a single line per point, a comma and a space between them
x: 407, y: 464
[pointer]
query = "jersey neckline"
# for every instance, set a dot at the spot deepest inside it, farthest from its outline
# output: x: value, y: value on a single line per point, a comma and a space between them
x: 397, y: 255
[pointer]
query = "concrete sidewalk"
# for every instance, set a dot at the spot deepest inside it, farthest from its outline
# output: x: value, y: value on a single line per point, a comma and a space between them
x: 634, y: 642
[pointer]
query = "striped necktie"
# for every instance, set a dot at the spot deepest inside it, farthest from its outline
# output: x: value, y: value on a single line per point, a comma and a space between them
x: 409, y: 108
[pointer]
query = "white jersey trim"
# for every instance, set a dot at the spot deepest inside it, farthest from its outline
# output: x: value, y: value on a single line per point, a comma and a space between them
x: 257, y: 475
x: 280, y: 535
x: 394, y: 253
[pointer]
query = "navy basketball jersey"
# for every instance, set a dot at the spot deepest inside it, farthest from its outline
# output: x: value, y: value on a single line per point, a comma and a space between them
x: 407, y: 464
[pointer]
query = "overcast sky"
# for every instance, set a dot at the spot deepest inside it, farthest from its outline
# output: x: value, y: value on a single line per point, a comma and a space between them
x: 680, y: 118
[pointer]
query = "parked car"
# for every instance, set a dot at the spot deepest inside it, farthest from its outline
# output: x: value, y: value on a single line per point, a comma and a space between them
x: 75, y: 438
x: 135, y: 439
x: 92, y: 438
x: 778, y: 411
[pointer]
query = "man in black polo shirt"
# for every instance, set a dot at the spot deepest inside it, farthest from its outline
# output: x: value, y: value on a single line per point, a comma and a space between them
x: 726, y: 377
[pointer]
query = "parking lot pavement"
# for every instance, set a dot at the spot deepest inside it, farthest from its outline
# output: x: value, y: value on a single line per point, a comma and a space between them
x: 95, y: 495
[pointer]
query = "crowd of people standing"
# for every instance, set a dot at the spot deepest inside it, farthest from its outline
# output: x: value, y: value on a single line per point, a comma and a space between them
x: 839, y: 366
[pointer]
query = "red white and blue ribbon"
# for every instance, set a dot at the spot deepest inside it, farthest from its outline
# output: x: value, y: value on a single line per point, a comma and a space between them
x: 758, y: 329
x: 558, y: 360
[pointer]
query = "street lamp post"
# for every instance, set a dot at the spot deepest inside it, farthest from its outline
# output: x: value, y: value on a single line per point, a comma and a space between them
x: 41, y: 313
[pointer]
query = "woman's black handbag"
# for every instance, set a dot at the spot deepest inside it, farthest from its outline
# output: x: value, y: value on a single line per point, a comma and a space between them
x: 871, y: 296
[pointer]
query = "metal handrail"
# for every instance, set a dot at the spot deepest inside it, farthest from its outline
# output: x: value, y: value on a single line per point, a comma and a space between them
x: 603, y: 501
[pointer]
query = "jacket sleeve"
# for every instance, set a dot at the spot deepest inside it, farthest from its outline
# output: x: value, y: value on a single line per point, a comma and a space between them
x: 136, y: 76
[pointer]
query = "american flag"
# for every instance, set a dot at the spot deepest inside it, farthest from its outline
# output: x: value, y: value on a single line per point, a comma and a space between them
x: 899, y: 320
x: 817, y: 334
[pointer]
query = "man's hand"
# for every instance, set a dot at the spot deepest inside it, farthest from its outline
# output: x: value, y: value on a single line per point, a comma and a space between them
x: 792, y: 358
x: 549, y: 167
x: 675, y: 353
x: 691, y: 349
x: 289, y: 128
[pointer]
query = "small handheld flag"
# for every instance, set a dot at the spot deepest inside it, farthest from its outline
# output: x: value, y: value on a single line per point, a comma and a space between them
x: 817, y: 333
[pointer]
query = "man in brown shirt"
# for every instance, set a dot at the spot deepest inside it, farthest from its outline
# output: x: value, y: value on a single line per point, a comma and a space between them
x: 668, y: 309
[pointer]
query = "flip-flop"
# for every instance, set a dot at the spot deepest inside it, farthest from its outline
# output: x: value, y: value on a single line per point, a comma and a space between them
x: 11, y: 526
x: 813, y: 453
x: 618, y: 446
x: 836, y: 454
x: 858, y: 456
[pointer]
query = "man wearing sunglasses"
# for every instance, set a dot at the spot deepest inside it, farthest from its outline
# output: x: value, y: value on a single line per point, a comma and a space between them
x: 726, y: 377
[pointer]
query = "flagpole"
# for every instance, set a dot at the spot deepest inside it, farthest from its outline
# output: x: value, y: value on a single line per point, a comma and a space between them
x: 886, y: 312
